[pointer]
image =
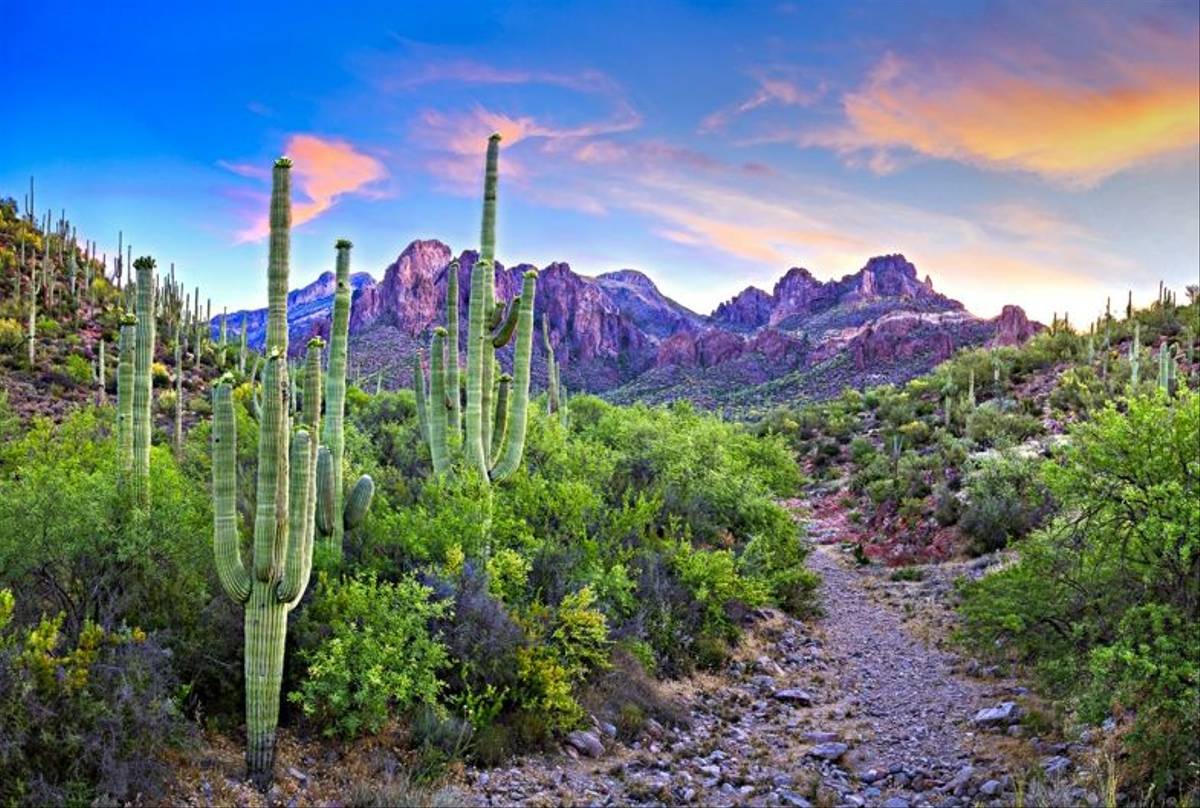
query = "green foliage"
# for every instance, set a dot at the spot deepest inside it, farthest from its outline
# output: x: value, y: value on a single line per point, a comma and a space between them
x: 989, y: 425
x: 1006, y: 499
x: 79, y: 369
x: 379, y: 658
x: 1103, y: 602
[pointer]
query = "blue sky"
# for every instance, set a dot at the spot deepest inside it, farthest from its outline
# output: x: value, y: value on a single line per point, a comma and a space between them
x: 1044, y: 154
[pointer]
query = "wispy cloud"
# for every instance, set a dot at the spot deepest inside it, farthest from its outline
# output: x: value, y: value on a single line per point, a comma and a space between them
x: 777, y: 87
x: 1074, y: 121
x: 324, y: 169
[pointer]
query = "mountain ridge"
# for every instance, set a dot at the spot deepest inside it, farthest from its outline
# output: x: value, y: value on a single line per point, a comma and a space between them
x: 611, y: 330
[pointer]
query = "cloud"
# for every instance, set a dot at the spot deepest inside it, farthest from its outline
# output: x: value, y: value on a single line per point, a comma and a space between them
x: 1134, y: 98
x: 324, y: 169
x: 773, y: 89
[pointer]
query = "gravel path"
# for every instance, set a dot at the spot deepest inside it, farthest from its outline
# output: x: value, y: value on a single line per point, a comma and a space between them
x: 849, y: 710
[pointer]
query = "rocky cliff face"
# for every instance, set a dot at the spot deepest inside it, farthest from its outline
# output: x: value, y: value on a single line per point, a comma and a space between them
x: 618, y: 330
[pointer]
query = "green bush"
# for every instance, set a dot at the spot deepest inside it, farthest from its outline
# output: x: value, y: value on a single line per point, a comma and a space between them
x: 79, y: 369
x: 379, y: 658
x: 990, y: 425
x: 1006, y: 499
x: 1103, y: 601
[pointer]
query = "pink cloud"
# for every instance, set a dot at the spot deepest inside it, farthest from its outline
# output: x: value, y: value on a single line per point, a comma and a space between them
x: 324, y: 169
x: 773, y: 89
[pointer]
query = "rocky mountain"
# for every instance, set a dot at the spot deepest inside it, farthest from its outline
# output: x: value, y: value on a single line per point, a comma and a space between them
x: 309, y: 310
x: 617, y: 334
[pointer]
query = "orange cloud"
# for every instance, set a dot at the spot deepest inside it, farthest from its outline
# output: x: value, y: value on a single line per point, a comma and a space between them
x: 1075, y: 125
x: 324, y: 169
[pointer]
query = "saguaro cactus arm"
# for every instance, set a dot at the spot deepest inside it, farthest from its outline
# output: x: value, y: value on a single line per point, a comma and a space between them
x: 453, y: 387
x: 235, y: 581
x: 514, y: 444
x: 271, y: 509
x: 422, y: 397
x: 438, y: 444
x: 508, y: 325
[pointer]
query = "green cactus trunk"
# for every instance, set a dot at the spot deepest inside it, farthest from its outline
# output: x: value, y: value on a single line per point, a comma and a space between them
x: 438, y: 445
x: 242, y: 347
x: 1135, y: 351
x: 514, y: 439
x: 101, y: 391
x: 335, y: 389
x: 178, y: 393
x: 422, y: 397
x: 125, y: 353
x: 142, y: 381
x: 453, y: 389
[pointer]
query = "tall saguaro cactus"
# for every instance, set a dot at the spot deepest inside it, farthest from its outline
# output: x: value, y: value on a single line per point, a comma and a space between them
x: 125, y: 351
x: 143, y: 356
x: 284, y: 511
x: 495, y: 420
x: 334, y: 516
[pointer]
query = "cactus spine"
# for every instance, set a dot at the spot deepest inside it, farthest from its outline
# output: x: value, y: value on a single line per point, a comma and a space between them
x: 142, y: 382
x: 494, y: 438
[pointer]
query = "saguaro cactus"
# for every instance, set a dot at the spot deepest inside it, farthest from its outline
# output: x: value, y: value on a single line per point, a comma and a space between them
x: 552, y: 402
x: 143, y: 355
x: 1135, y: 352
x: 125, y: 351
x: 284, y: 511
x: 494, y: 438
x: 333, y: 494
x: 178, y: 391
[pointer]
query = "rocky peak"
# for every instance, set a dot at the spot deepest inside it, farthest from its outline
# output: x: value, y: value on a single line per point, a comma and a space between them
x: 748, y: 310
x: 1013, y: 327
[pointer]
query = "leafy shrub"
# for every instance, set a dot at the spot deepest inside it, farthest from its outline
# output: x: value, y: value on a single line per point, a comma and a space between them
x: 1006, y: 499
x: 379, y: 658
x: 83, y: 720
x: 79, y: 369
x: 1103, y: 601
x: 990, y: 425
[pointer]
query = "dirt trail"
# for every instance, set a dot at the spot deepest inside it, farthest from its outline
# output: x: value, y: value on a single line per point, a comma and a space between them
x: 851, y: 709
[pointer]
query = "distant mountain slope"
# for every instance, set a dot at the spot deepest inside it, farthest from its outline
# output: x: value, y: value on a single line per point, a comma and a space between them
x: 619, y: 335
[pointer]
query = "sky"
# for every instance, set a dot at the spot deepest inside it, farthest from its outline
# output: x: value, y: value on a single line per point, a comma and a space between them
x: 1044, y: 154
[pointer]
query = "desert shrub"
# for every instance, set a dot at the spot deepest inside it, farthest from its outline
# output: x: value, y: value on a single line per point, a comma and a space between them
x: 1102, y: 602
x: 715, y: 582
x: 1079, y: 391
x: 1006, y: 499
x: 946, y: 507
x: 79, y: 369
x: 776, y: 558
x: 71, y: 544
x: 84, y: 719
x: 12, y: 335
x: 991, y: 425
x: 379, y: 658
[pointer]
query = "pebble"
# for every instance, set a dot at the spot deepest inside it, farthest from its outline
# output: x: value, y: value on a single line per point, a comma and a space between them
x: 828, y: 751
x: 794, y: 695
